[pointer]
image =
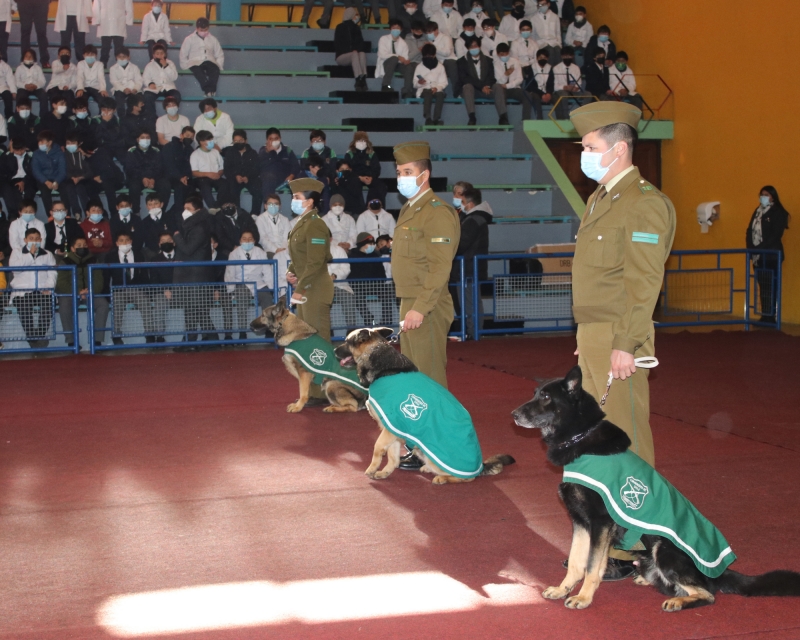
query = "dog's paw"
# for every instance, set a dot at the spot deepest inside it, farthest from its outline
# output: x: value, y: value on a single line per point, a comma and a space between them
x: 555, y: 593
x: 577, y: 602
x: 295, y: 407
x: 641, y: 580
x: 438, y: 479
x: 381, y: 475
x: 673, y: 604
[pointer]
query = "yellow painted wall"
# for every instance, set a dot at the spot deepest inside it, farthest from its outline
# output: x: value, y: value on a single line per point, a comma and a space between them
x: 734, y: 70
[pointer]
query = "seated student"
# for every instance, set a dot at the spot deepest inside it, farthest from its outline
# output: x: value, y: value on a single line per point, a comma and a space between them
x: 368, y: 278
x: 177, y: 154
x: 81, y: 124
x: 412, y: 12
x: 23, y: 124
x: 124, y: 221
x: 567, y: 83
x: 126, y: 79
x: 349, y: 46
x: 29, y: 79
x: 63, y: 80
x: 158, y: 79
x: 165, y: 252
x: 156, y: 223
x: 273, y: 233
x: 111, y: 18
x: 97, y: 229
x: 320, y: 149
x: 524, y: 49
x: 136, y: 121
x: 445, y: 53
x: 229, y: 224
x: 56, y: 121
x: 27, y: 220
x: 215, y: 121
x: 16, y: 176
x: 49, y: 167
x: 602, y: 40
x: 366, y: 166
x: 277, y: 162
x: 579, y: 33
x: 376, y: 221
x: 383, y: 246
x: 208, y: 170
x: 476, y: 76
x: 202, y: 54
x: 145, y: 170
x: 623, y: 82
x: 342, y: 225
x: 91, y: 77
x: 342, y: 291
x: 80, y: 183
x: 348, y: 185
x: 491, y: 38
x: 128, y: 283
x: 242, y: 294
x: 508, y: 72
x: 242, y: 171
x: 448, y: 19
x: 414, y: 41
x: 477, y: 14
x: 8, y: 88
x: 155, y: 28
x: 596, y: 74
x: 61, y: 230
x: 547, y: 29
x: 543, y: 81
x: 172, y: 123
x: 77, y: 254
x: 314, y: 170
x: 463, y: 39
x: 32, y: 290
x: 430, y: 81
x: 393, y: 56
x: 510, y: 24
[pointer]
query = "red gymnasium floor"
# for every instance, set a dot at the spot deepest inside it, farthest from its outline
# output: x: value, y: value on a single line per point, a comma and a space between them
x: 171, y: 496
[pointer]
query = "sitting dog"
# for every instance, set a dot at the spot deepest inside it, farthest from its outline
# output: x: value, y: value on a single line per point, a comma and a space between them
x: 309, y: 358
x: 410, y: 407
x: 614, y: 498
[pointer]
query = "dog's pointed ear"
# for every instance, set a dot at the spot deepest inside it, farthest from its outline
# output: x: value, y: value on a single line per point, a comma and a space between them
x: 362, y: 336
x: 384, y: 332
x: 281, y: 304
x: 573, y: 380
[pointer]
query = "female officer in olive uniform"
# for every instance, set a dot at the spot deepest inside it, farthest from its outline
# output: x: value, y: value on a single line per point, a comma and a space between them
x: 309, y: 249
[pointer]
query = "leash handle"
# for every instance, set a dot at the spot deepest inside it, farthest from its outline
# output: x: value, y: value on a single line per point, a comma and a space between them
x: 645, y: 362
x: 303, y: 300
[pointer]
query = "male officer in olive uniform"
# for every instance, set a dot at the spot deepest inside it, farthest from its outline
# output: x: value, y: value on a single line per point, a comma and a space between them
x: 623, y: 242
x: 423, y: 249
x: 310, y: 252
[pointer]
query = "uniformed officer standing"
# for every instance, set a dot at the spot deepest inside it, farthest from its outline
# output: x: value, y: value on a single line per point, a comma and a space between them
x: 424, y: 246
x: 623, y: 242
x: 309, y: 249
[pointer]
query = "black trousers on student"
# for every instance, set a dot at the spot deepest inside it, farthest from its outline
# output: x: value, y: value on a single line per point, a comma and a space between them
x: 253, y: 188
x: 33, y: 13
x: 41, y: 96
x: 71, y: 32
x: 207, y: 75
x: 13, y: 196
x: 151, y: 44
x: 103, y: 165
x: 105, y: 47
x: 206, y: 186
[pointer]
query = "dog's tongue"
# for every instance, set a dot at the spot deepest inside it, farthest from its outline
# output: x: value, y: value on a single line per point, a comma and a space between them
x: 345, y: 361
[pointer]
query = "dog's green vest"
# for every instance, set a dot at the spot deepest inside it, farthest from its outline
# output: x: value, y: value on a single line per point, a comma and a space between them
x: 317, y: 356
x: 426, y: 415
x: 644, y: 502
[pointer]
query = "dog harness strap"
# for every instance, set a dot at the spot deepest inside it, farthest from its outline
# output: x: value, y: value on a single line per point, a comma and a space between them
x: 426, y: 415
x: 643, y: 501
x: 317, y: 356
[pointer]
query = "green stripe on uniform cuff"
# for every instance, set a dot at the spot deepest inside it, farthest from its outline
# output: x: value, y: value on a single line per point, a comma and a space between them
x: 650, y: 238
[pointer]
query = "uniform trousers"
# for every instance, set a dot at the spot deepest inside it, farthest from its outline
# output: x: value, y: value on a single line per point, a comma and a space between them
x: 526, y: 100
x: 393, y: 64
x: 33, y: 13
x: 105, y: 47
x: 426, y: 346
x: 317, y: 312
x: 468, y: 92
x: 327, y: 9
x: 207, y: 74
x: 100, y: 317
x: 72, y: 31
x: 153, y: 43
x: 357, y: 59
x: 437, y: 99
x: 562, y: 110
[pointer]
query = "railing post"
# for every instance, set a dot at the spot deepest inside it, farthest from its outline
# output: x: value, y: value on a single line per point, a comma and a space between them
x: 463, y: 302
x: 90, y: 309
x: 476, y: 296
x: 778, y: 291
x: 75, y: 328
x: 747, y: 263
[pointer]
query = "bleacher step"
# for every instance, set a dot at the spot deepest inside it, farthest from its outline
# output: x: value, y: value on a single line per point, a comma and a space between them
x: 381, y: 124
x: 336, y: 71
x: 366, y: 97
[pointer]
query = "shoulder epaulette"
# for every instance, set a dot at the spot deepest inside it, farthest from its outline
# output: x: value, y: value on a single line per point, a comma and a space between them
x: 645, y: 186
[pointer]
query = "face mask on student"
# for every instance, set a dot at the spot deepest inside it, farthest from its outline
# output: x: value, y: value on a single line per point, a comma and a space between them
x: 542, y: 62
x: 59, y: 216
x: 96, y: 217
x: 125, y: 248
x: 82, y: 252
x: 144, y: 143
x: 209, y: 115
x: 154, y: 213
x: 61, y: 109
x: 32, y: 246
x: 64, y: 59
x: 430, y: 36
x: 90, y: 60
x: 602, y: 38
x: 411, y: 10
x: 477, y: 9
x: 273, y: 209
x: 276, y: 144
x: 543, y: 8
x: 28, y: 217
x: 156, y: 10
x: 318, y: 146
x: 505, y: 58
x: 72, y: 148
x: 24, y: 113
x: 469, y: 34
x: 123, y: 62
x: 764, y: 200
x: 430, y: 63
x: 239, y: 146
x: 209, y: 145
x: 248, y: 246
x: 447, y: 10
x: 457, y: 203
x: 81, y: 115
x: 592, y: 167
x: 525, y: 34
x: 337, y: 210
x: 172, y: 111
x: 167, y: 247
x: 185, y: 215
x: 28, y: 63
x: 43, y: 148
x: 124, y: 212
x: 361, y: 145
x: 369, y: 248
x: 621, y: 66
x: 474, y: 52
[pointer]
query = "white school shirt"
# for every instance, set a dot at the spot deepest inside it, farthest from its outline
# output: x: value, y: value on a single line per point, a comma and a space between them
x: 125, y: 78
x: 24, y: 281
x: 376, y: 224
x: 93, y: 77
x: 222, y: 130
x: 445, y: 50
x: 616, y: 78
x: 449, y: 23
x: 131, y: 260
x: 582, y: 34
x: 169, y: 128
x: 7, y: 7
x: 547, y: 29
x: 21, y: 173
x: 385, y: 52
x: 205, y: 161
x: 340, y: 269
x: 478, y: 18
x: 560, y: 76
x: 163, y: 77
x: 273, y: 231
x: 112, y: 17
x: 153, y: 29
x: 515, y: 79
x: 62, y: 77
x: 17, y: 229
x: 34, y: 75
x: 488, y: 45
x: 7, y: 80
x: 196, y: 50
x: 261, y: 274
x: 509, y: 26
x: 524, y: 50
x: 429, y: 7
x: 541, y: 74
x: 343, y: 228
x: 81, y: 9
x: 435, y: 77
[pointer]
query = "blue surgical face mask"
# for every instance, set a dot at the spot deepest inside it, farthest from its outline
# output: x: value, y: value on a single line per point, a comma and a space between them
x: 59, y: 216
x: 209, y: 115
x: 457, y: 203
x: 603, y: 38
x: 298, y: 207
x: 248, y: 246
x: 209, y: 144
x: 369, y: 248
x: 764, y: 200
x: 81, y: 115
x: 273, y: 209
x: 32, y: 245
x: 395, y: 33
x: 124, y: 212
x: 123, y: 63
x: 474, y: 52
x: 28, y: 217
x: 72, y: 148
x: 317, y: 146
x: 477, y: 9
x: 144, y: 143
x: 156, y: 10
x: 525, y: 34
x: 431, y: 36
x: 89, y: 60
x: 592, y: 167
x: 96, y: 217
x: 407, y: 186
x: 544, y: 8
x: 447, y: 10
x: 43, y: 147
x: 505, y: 58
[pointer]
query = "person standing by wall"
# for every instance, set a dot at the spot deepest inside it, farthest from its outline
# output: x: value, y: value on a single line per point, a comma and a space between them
x: 72, y: 22
x: 32, y: 14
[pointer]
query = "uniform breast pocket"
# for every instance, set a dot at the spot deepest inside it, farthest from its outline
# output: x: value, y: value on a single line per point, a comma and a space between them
x: 603, y: 248
x: 412, y: 243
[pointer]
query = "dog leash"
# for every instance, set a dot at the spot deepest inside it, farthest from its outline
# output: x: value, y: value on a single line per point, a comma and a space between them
x: 645, y: 362
x: 303, y: 300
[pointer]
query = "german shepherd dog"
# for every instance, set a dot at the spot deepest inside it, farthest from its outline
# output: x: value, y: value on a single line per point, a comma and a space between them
x: 288, y: 328
x: 572, y: 425
x: 374, y: 357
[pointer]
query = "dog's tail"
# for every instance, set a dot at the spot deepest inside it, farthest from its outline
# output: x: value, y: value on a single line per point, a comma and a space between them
x: 494, y: 465
x: 774, y: 583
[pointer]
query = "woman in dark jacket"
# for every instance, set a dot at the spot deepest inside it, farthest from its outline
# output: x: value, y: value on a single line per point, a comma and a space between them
x: 765, y: 231
x: 366, y: 166
x: 349, y: 46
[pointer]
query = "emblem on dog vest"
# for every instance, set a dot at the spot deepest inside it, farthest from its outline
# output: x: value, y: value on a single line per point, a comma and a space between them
x: 318, y: 357
x: 633, y: 493
x: 413, y: 407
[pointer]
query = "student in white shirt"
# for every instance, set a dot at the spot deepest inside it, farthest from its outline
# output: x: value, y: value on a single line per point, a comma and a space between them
x: 241, y: 293
x: 508, y: 73
x: 126, y: 79
x: 27, y: 220
x: 567, y: 83
x: 341, y: 224
x: 430, y: 81
x: 547, y: 30
x: 172, y: 123
x: 273, y: 235
x: 207, y: 169
x: 445, y: 52
x: 524, y: 49
x: 202, y: 54
x: 159, y: 79
x: 623, y: 82
x: 462, y: 41
x: 448, y: 19
x: 91, y: 77
x: 393, y: 56
x: 509, y: 25
x: 8, y: 89
x: 112, y: 17
x: 215, y: 121
x: 29, y: 79
x: 376, y: 221
x: 155, y: 28
x: 33, y: 290
x: 73, y: 18
x: 491, y: 38
x: 478, y: 15
x: 578, y: 34
x: 63, y: 78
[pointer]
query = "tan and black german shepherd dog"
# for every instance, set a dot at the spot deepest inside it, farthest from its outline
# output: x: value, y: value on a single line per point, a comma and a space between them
x: 573, y: 424
x: 374, y: 357
x: 288, y: 328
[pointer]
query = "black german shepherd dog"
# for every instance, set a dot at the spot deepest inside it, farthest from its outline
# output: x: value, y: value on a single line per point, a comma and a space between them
x: 573, y: 424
